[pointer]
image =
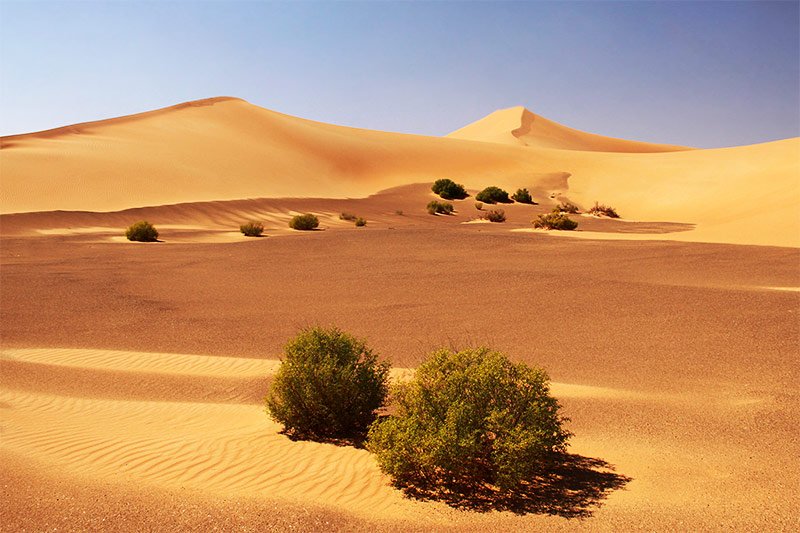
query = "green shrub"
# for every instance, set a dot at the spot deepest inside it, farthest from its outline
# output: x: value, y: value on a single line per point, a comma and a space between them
x: 350, y: 217
x: 360, y: 222
x: 478, y: 206
x: 601, y: 210
x: 252, y: 229
x: 522, y: 196
x: 328, y: 386
x: 496, y: 215
x: 142, y: 232
x: 566, y: 207
x: 471, y: 417
x: 555, y: 221
x: 304, y: 222
x: 435, y: 206
x: 449, y: 190
x: 493, y: 195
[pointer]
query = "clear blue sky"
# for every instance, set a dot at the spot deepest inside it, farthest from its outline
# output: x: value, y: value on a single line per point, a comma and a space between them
x: 699, y: 73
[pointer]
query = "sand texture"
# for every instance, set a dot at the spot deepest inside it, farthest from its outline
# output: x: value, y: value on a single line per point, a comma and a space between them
x: 133, y: 374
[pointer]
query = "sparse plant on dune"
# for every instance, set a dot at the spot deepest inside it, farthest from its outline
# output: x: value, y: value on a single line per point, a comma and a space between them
x: 469, y: 418
x: 523, y: 196
x: 436, y: 207
x: 479, y: 206
x: 252, y: 229
x: 496, y: 215
x: 449, y: 190
x: 142, y: 232
x: 555, y: 220
x: 399, y: 212
x: 350, y: 217
x: 566, y: 207
x: 602, y: 210
x: 304, y: 222
x: 493, y: 195
x: 329, y: 386
x: 361, y: 222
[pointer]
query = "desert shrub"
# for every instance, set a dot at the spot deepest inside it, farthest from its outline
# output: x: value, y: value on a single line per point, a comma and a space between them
x: 478, y: 206
x: 496, y: 215
x: 449, y: 190
x: 469, y: 417
x: 350, y: 217
x: 522, y: 196
x: 329, y: 385
x: 399, y: 212
x: 252, y: 229
x: 493, y: 195
x: 304, y: 222
x: 555, y: 221
x: 602, y: 210
x: 566, y: 207
x: 360, y: 222
x: 435, y: 206
x: 142, y: 232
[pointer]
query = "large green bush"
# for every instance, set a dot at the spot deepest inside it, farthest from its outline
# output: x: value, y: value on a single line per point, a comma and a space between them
x: 436, y: 207
x: 555, y: 220
x: 449, y: 189
x: 252, y: 229
x: 304, y: 222
x: 522, y: 196
x: 142, y: 232
x: 493, y: 195
x: 469, y: 418
x: 329, y: 385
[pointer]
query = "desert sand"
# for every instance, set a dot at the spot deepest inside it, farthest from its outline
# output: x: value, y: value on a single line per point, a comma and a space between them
x: 133, y: 374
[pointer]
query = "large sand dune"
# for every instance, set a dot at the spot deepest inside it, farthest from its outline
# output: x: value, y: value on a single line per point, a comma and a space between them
x: 225, y: 149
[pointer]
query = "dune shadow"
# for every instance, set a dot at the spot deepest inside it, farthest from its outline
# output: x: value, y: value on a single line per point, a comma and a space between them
x: 570, y: 486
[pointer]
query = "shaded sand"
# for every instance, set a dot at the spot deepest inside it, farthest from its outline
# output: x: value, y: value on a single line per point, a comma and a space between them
x: 225, y: 149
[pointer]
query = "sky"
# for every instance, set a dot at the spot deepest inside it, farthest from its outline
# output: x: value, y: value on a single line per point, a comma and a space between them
x: 705, y: 74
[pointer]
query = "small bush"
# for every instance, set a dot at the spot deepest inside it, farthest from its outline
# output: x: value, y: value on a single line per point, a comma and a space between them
x: 478, y: 206
x: 399, y: 212
x: 350, y: 217
x: 304, y: 222
x: 493, y: 195
x: 445, y: 208
x: 523, y: 196
x: 361, y: 222
x: 469, y: 418
x: 449, y: 190
x: 496, y: 215
x: 566, y: 207
x: 142, y: 232
x: 601, y: 210
x: 252, y: 229
x: 329, y: 385
x: 558, y: 221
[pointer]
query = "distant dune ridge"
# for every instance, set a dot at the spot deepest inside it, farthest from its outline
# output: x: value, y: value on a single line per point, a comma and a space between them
x: 227, y: 149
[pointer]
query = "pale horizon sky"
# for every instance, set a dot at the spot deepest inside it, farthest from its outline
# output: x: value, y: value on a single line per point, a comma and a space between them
x: 705, y: 74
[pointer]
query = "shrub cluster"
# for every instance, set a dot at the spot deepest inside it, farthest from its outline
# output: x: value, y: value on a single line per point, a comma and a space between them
x: 566, y: 207
x: 350, y: 217
x: 449, y: 190
x: 252, y: 229
x: 602, y: 210
x: 435, y: 206
x: 555, y: 220
x: 360, y: 222
x: 496, y: 215
x: 523, y: 196
x: 142, y: 232
x: 328, y: 386
x: 493, y: 195
x: 304, y: 222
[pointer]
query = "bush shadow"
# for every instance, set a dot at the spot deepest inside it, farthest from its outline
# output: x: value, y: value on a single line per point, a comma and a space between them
x: 569, y: 485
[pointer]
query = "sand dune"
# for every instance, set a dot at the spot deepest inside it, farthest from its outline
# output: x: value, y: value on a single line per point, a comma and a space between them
x: 519, y: 127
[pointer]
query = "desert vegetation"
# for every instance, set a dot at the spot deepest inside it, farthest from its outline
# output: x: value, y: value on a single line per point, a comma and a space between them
x: 523, y: 196
x: 496, y: 215
x: 566, y: 207
x: 329, y: 386
x: 252, y: 229
x: 304, y: 222
x: 350, y: 217
x: 479, y: 206
x: 602, y: 210
x: 360, y: 222
x: 142, y: 232
x: 493, y: 195
x: 555, y: 220
x: 435, y: 207
x: 471, y: 417
x: 449, y: 190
